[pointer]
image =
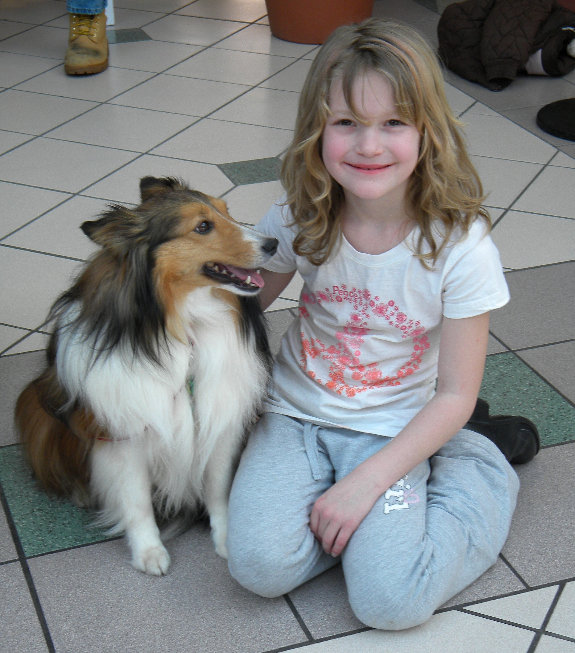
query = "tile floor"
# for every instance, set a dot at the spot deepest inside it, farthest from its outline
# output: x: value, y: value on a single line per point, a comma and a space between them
x: 201, y: 90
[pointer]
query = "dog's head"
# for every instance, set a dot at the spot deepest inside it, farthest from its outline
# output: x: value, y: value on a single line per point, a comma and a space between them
x: 187, y: 237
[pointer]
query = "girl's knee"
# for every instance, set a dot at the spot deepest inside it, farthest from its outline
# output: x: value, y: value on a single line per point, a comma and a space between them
x: 273, y: 566
x: 385, y: 611
x: 392, y: 598
x: 258, y: 570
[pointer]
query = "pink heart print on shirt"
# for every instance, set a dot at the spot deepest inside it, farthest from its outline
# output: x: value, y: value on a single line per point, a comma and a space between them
x: 347, y: 374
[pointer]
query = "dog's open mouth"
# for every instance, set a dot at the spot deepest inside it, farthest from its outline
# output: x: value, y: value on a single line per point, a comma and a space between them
x: 247, y: 280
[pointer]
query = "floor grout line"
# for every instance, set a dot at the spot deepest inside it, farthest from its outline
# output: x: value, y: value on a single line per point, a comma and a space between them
x: 320, y: 640
x: 547, y: 618
x: 23, y: 561
x: 298, y: 617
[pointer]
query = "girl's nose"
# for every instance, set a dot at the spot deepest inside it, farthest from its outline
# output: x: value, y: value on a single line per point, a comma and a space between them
x: 369, y: 141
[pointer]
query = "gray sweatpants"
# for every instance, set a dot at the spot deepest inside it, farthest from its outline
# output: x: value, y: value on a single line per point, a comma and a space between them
x: 429, y: 536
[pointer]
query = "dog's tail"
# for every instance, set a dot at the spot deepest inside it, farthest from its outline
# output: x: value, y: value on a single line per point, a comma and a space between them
x: 59, y: 459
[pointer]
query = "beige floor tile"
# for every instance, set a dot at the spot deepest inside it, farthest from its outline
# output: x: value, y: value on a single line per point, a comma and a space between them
x: 552, y: 193
x: 262, y: 106
x: 290, y: 79
x: 16, y: 68
x: 540, y: 544
x: 241, y: 10
x: 562, y: 621
x: 49, y: 42
x: 218, y: 141
x: 505, y: 140
x: 220, y: 65
x: 123, y: 186
x: 33, y: 342
x: 250, y: 203
x: 526, y: 609
x: 458, y: 101
x: 96, y: 88
x: 192, y: 97
x: 258, y: 38
x: 554, y: 645
x: 450, y: 632
x: 25, y: 204
x: 555, y: 364
x: 19, y: 111
x: 31, y: 12
x: 58, y: 231
x: 9, y: 335
x: 59, y: 165
x: 10, y: 140
x: 195, y: 31
x: 503, y: 181
x: 20, y: 628
x: 153, y: 56
x: 36, y: 281
x: 526, y: 240
x: 125, y: 128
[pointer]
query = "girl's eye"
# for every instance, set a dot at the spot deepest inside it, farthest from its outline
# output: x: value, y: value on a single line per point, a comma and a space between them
x: 204, y: 227
x: 345, y: 122
x: 395, y: 122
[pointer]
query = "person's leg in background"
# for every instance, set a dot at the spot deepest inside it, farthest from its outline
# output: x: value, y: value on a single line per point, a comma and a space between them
x: 87, y: 51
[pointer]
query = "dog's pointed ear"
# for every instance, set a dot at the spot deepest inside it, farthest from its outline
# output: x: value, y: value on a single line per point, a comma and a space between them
x: 155, y: 186
x: 114, y: 229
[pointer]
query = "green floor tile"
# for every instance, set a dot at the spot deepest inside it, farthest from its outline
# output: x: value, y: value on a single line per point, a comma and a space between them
x: 44, y: 524
x: 511, y: 387
x: 127, y: 35
x: 256, y: 171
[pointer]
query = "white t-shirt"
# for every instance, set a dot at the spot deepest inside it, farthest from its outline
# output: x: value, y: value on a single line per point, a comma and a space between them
x: 363, y: 352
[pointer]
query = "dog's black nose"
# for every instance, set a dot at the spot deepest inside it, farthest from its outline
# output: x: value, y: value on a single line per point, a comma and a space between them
x: 270, y: 246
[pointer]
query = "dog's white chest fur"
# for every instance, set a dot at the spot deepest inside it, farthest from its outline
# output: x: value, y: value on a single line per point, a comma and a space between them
x: 228, y: 375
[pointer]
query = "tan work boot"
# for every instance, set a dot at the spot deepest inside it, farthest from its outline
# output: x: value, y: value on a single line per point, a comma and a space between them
x: 87, y: 52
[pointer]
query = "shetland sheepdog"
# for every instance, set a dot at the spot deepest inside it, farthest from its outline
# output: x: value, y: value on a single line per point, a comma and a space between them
x: 167, y: 302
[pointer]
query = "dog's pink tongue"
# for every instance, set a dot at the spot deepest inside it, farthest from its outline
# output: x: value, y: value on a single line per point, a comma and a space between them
x: 255, y: 278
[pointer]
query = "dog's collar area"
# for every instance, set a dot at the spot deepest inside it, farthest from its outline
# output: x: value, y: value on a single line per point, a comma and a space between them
x: 104, y: 438
x: 107, y: 438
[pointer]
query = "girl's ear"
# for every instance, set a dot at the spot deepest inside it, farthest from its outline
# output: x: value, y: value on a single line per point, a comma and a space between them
x: 115, y: 229
x: 155, y: 186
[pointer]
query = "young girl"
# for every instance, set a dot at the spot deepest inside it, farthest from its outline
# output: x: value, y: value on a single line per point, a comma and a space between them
x: 361, y: 455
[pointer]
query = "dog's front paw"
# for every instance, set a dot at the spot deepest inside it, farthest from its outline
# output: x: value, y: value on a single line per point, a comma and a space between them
x: 154, y: 560
x: 222, y: 550
x: 219, y: 535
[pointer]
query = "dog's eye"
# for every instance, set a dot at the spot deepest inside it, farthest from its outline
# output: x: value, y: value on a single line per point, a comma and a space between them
x: 204, y: 227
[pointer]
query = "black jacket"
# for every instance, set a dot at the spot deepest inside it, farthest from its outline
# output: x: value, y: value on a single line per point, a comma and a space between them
x: 490, y: 41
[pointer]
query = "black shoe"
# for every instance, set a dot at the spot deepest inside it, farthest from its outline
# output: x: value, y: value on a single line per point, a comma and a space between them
x: 516, y: 437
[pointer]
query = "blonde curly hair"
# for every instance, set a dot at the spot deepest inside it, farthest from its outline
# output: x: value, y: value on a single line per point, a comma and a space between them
x: 444, y: 191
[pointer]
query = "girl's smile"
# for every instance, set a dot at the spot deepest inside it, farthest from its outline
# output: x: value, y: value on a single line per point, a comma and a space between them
x: 368, y: 169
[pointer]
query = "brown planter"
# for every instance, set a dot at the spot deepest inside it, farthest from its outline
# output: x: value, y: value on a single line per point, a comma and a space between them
x: 312, y: 21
